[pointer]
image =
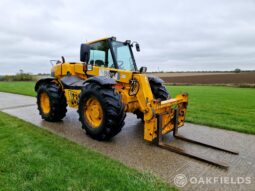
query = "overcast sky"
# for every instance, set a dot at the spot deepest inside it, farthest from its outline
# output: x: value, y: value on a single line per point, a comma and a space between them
x: 173, y: 35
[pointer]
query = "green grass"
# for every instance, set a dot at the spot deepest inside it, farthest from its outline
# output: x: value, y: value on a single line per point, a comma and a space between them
x: 24, y: 88
x: 34, y: 159
x: 223, y: 107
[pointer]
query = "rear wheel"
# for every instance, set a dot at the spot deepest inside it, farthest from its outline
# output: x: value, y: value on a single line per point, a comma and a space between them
x: 51, y: 102
x: 159, y: 92
x: 101, y: 111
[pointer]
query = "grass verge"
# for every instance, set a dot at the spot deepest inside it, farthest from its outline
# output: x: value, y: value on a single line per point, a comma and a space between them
x: 24, y: 88
x: 34, y: 159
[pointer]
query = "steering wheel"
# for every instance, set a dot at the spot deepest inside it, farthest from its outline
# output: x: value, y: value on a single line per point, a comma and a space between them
x: 111, y: 66
x: 121, y: 64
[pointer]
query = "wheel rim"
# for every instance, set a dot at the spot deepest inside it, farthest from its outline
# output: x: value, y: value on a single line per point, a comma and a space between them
x: 45, y: 102
x: 93, y: 112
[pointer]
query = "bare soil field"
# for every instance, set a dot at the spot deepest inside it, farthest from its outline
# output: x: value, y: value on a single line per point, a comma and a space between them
x: 178, y: 74
x: 243, y: 78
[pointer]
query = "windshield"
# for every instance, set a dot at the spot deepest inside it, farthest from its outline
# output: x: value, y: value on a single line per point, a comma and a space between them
x: 123, y: 56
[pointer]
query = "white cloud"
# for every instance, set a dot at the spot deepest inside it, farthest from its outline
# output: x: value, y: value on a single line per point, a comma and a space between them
x: 174, y: 35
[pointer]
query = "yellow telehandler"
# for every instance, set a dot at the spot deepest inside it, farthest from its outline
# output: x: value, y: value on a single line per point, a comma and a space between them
x: 104, y: 86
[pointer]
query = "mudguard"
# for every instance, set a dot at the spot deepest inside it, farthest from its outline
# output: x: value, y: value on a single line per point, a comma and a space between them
x: 43, y: 80
x: 155, y: 80
x: 102, y: 80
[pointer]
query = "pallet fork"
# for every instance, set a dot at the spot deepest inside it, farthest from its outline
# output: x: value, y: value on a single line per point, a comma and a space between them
x: 184, y: 152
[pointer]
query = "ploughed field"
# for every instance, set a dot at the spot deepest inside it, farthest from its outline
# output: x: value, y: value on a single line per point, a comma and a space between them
x: 243, y: 78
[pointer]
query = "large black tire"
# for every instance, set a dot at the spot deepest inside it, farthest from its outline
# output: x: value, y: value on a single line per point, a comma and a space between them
x: 159, y: 92
x: 57, y: 102
x: 113, y: 114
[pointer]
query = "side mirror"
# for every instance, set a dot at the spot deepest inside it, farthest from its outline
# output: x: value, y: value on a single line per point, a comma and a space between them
x: 143, y: 69
x: 63, y: 59
x: 137, y: 46
x: 85, y: 53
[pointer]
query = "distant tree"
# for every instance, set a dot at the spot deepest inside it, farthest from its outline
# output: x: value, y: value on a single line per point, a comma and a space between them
x: 237, y: 70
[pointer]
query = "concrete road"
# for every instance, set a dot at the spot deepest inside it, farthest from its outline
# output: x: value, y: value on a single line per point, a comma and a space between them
x: 130, y: 148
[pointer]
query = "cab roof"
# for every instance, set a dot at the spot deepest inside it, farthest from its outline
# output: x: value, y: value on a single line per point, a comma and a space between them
x: 101, y: 39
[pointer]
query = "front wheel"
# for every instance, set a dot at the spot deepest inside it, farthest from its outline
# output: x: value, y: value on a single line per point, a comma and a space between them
x: 101, y: 111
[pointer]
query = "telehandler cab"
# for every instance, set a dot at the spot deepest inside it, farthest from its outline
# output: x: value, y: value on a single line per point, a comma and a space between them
x: 107, y: 84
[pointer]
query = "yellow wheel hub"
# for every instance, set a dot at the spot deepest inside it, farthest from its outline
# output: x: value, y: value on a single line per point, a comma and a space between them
x: 45, y: 102
x: 93, y: 112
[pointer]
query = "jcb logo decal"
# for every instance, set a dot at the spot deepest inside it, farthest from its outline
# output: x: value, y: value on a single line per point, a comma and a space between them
x: 74, y: 98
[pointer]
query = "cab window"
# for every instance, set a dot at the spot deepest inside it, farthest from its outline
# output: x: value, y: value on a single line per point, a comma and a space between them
x: 100, y: 55
x: 123, y: 56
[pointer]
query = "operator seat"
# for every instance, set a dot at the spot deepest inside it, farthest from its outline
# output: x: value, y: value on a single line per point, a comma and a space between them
x: 99, y: 63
